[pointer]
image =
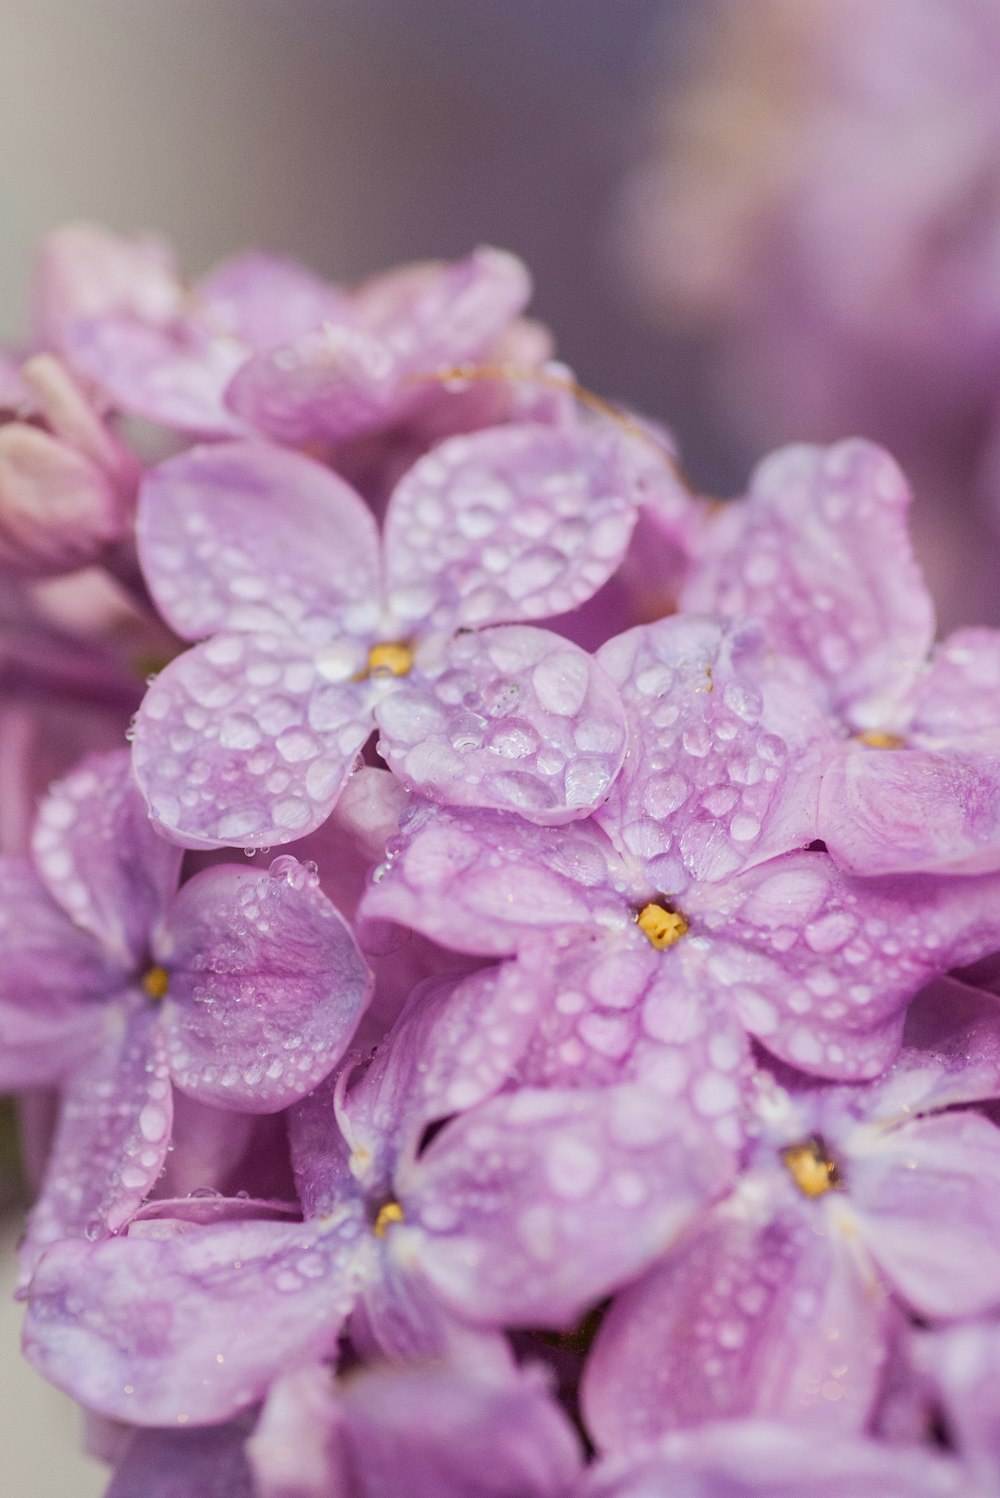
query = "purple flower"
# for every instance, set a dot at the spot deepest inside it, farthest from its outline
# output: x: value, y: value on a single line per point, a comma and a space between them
x: 779, y: 1302
x: 524, y: 1209
x: 250, y: 737
x: 242, y: 989
x: 912, y: 772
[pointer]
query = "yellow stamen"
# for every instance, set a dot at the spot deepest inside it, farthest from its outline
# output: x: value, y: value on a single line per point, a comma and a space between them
x: 155, y: 982
x: 393, y: 658
x: 877, y: 740
x: 391, y: 1212
x: 810, y: 1167
x: 660, y: 926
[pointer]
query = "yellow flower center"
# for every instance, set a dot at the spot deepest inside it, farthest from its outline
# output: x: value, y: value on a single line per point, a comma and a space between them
x: 391, y: 1212
x: 811, y: 1168
x: 661, y: 926
x: 878, y: 740
x: 155, y: 982
x: 391, y: 659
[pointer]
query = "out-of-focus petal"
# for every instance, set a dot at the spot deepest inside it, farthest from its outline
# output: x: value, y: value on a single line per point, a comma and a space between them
x: 190, y: 1329
x: 102, y: 859
x: 819, y: 550
x: 241, y: 535
x: 85, y: 271
x: 58, y: 512
x: 240, y: 741
x: 957, y: 696
x: 185, y: 1464
x: 266, y: 300
x: 768, y: 1313
x: 538, y: 1203
x: 950, y: 1055
x: 509, y: 524
x: 513, y: 718
x: 266, y: 986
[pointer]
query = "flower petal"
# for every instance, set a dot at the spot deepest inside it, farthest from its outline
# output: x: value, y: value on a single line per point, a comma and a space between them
x: 837, y: 515
x: 241, y: 535
x: 513, y: 718
x: 240, y: 741
x: 507, y: 524
x: 190, y: 1329
x: 950, y: 1055
x: 102, y: 859
x: 538, y: 1203
x: 266, y: 986
x: 185, y: 1464
x: 762, y: 1309
x: 266, y: 299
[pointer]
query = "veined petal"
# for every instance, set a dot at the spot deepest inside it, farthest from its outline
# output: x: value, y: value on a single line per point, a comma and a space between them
x: 241, y: 742
x: 538, y: 1203
x: 102, y: 859
x: 950, y: 1055
x: 190, y: 1329
x: 508, y: 524
x: 513, y: 718
x: 825, y: 524
x: 266, y: 986
x: 245, y: 536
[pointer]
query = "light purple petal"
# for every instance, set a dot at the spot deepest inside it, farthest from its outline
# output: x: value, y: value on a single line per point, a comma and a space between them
x: 927, y: 1197
x: 762, y: 1309
x: 755, y: 1459
x: 513, y: 718
x: 482, y: 882
x: 401, y: 1318
x: 112, y: 1136
x: 102, y: 859
x: 241, y: 535
x: 53, y: 979
x: 296, y: 1450
x: 508, y: 524
x: 819, y: 550
x: 536, y: 1204
x: 454, y: 1045
x: 820, y: 967
x: 950, y: 1055
x: 266, y: 986
x: 86, y: 271
x: 709, y: 786
x: 191, y: 1328
x: 964, y: 1364
x: 900, y: 811
x: 349, y: 844
x: 266, y: 300
x: 185, y: 1464
x: 241, y: 742
x: 956, y: 697
x: 323, y: 1177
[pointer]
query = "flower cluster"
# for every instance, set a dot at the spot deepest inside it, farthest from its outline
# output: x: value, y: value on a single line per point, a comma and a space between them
x: 522, y: 1004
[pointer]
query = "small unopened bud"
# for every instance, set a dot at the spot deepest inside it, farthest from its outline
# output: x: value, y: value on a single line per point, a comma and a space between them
x: 58, y: 510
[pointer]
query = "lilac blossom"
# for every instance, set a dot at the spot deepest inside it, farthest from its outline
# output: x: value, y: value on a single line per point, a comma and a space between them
x: 781, y: 1300
x: 242, y: 989
x: 525, y: 1208
x: 912, y: 773
x: 250, y: 737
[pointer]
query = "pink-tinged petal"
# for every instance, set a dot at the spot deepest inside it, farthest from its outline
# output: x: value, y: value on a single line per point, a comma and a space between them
x: 927, y: 1197
x: 950, y: 1055
x: 482, y: 882
x: 609, y: 1008
x: 185, y: 1464
x: 955, y: 698
x: 53, y: 978
x: 964, y: 1364
x: 508, y: 524
x: 363, y: 369
x: 819, y: 550
x: 901, y: 811
x: 58, y: 512
x: 266, y: 986
x: 323, y: 1177
x: 266, y: 300
x: 241, y: 741
x: 85, y: 271
x: 513, y: 718
x: 538, y: 1203
x: 241, y: 535
x: 454, y: 1045
x: 102, y: 859
x: 757, y: 1459
x: 821, y: 967
x: 111, y: 1139
x: 190, y: 1329
x: 709, y: 785
x: 168, y: 1217
x: 351, y: 842
x: 296, y: 1449
x: 69, y: 414
x: 401, y: 1318
x: 174, y: 373
x: 763, y: 1309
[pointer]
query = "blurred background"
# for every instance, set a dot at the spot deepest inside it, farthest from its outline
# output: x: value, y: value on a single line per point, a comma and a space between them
x: 758, y: 222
